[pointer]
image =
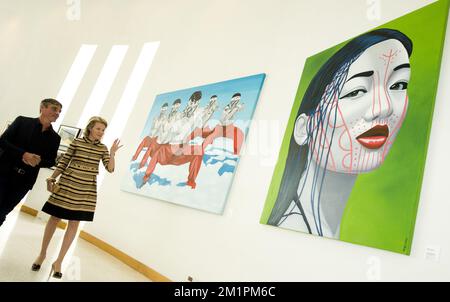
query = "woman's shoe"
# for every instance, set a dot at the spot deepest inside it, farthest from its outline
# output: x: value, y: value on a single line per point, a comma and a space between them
x: 36, y: 266
x: 56, y: 274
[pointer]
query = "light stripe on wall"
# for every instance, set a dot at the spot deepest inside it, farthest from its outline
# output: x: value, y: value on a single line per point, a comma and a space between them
x: 103, y: 85
x: 129, y: 97
x: 131, y: 92
x: 73, y: 79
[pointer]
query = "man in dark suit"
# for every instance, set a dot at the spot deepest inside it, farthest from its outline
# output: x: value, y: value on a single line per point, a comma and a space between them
x: 26, y: 146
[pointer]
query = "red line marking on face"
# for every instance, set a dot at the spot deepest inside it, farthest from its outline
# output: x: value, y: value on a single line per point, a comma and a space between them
x: 359, y: 157
x: 385, y: 81
x: 373, y: 160
x: 321, y: 136
x: 397, y: 127
x: 380, y: 159
x: 333, y: 106
x: 349, y: 168
x: 366, y: 160
x: 322, y: 142
x: 346, y: 131
x: 341, y: 138
x: 327, y: 142
x: 361, y: 168
x: 379, y: 93
x: 363, y: 154
x: 373, y: 97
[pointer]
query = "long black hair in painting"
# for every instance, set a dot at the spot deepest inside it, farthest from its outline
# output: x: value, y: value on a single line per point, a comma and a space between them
x: 317, y: 101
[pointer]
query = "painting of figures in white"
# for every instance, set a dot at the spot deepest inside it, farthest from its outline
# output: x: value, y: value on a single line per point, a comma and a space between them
x: 191, y: 142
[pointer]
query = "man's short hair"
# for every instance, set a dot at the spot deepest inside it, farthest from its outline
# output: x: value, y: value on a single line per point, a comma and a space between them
x: 236, y: 94
x: 46, y: 102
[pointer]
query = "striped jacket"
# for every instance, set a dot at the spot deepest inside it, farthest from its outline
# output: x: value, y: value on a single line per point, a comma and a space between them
x: 83, y: 157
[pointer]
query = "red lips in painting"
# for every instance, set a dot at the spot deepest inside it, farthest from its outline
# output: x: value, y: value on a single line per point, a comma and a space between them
x: 375, y: 137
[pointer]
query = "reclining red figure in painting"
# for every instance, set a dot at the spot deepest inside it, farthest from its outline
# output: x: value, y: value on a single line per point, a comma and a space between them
x: 170, y: 144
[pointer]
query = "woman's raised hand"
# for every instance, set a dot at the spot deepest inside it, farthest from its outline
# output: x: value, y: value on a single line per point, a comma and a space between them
x: 115, y: 146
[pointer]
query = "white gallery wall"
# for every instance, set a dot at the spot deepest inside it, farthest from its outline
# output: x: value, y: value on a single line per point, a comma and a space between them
x: 202, y: 42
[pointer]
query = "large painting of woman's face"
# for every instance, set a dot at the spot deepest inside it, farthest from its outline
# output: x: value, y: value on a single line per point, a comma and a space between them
x: 351, y: 163
x: 371, y: 107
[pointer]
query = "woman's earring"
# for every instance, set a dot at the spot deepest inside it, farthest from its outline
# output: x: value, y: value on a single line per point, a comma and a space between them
x: 300, y: 133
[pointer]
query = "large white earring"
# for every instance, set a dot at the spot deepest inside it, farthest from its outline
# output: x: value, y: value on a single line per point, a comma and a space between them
x: 300, y: 133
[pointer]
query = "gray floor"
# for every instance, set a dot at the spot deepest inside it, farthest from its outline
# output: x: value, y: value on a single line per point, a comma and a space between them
x: 20, y: 239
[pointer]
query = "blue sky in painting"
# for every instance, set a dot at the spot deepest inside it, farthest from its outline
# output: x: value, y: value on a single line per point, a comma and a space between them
x: 249, y: 88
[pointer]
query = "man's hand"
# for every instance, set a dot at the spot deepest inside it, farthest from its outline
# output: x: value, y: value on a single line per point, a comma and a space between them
x: 31, y: 159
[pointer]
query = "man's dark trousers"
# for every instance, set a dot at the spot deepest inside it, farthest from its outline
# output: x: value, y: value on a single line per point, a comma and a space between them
x: 12, y: 190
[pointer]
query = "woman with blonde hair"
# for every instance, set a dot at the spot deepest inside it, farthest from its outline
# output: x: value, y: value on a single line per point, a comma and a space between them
x: 74, y: 196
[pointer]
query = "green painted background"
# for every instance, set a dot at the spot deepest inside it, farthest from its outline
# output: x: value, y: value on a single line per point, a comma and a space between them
x: 382, y: 207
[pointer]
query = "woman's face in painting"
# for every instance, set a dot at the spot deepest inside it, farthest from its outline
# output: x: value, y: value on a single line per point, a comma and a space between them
x: 370, y: 111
